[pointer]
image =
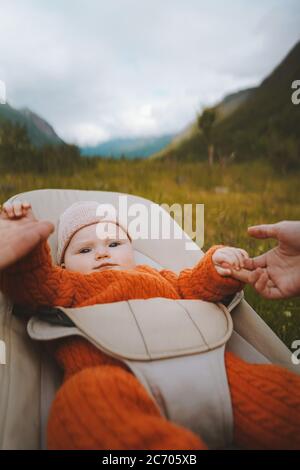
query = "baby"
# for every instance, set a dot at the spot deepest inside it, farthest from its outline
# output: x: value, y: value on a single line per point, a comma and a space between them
x: 101, y: 404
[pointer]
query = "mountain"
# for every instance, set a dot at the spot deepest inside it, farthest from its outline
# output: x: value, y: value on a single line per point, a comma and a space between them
x: 268, y: 121
x: 263, y: 123
x: 226, y: 107
x: 129, y: 147
x: 39, y: 131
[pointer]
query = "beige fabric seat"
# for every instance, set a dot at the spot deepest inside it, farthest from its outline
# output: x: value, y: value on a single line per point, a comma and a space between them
x: 29, y: 378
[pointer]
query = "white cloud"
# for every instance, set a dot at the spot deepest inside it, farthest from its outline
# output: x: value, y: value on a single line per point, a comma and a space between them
x: 100, y: 69
x: 86, y: 133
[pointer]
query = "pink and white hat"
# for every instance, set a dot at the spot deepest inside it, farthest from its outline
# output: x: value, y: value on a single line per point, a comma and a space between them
x: 79, y: 215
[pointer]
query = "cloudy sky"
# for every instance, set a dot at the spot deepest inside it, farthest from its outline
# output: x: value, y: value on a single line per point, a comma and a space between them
x: 98, y: 69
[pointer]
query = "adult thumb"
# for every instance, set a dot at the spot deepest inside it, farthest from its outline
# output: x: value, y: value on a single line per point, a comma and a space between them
x: 44, y: 228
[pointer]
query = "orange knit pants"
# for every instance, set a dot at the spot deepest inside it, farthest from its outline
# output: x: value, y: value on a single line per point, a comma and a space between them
x: 105, y: 407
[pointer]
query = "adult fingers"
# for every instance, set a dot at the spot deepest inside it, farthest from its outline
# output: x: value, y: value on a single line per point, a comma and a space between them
x: 44, y: 228
x: 267, y: 289
x: 256, y: 262
x: 39, y: 230
x: 243, y: 275
x: 261, y: 283
x: 34, y: 233
x: 263, y: 231
x: 273, y: 293
x: 249, y: 263
x: 264, y: 285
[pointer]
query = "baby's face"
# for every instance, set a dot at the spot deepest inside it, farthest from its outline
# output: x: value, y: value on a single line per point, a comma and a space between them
x: 108, y: 248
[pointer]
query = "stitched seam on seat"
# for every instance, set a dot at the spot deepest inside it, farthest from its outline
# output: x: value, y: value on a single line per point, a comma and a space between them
x: 195, y: 324
x: 139, y: 328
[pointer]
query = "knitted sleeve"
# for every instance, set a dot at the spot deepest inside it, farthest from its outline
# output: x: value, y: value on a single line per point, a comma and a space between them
x: 34, y: 281
x: 171, y: 277
x: 204, y: 282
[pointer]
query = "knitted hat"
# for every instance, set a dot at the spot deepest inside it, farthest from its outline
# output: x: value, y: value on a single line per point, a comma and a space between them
x: 79, y: 215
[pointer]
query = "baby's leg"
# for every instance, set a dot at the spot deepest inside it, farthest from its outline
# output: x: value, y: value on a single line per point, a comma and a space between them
x: 266, y: 405
x: 105, y: 407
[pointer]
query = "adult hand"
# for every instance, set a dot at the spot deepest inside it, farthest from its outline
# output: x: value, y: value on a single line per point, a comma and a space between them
x: 277, y: 272
x: 20, y: 232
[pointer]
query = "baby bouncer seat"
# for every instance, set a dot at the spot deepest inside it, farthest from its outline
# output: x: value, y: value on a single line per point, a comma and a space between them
x: 29, y: 378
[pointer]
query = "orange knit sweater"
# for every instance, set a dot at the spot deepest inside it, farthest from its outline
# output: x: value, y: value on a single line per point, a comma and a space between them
x: 113, y: 405
x: 35, y: 281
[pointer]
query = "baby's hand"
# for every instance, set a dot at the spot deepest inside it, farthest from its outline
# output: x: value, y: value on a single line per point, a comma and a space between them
x: 229, y: 258
x: 230, y: 261
x: 17, y: 210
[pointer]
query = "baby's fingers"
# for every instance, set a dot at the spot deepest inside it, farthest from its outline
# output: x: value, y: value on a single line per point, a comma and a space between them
x: 16, y: 209
x: 234, y: 258
x: 227, y: 256
x: 243, y: 255
x: 223, y: 271
x: 26, y: 207
x: 8, y: 210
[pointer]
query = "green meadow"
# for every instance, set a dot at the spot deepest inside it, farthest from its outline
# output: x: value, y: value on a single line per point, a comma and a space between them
x: 234, y: 197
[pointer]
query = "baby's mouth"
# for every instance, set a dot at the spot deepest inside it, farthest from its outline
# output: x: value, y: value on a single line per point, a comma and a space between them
x: 106, y: 266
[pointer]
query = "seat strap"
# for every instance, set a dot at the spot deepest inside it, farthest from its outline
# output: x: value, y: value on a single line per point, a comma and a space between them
x: 193, y: 392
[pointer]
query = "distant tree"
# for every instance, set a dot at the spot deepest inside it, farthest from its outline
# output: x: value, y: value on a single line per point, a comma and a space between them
x: 15, y: 146
x: 18, y: 154
x: 205, y: 122
x: 282, y: 152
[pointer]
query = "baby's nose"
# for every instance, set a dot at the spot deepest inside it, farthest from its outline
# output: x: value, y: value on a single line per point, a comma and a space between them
x: 101, y: 253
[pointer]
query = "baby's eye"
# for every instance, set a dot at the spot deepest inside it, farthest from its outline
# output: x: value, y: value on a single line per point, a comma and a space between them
x: 85, y: 250
x: 114, y: 244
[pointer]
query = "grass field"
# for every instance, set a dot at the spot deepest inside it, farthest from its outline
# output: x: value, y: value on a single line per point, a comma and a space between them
x: 234, y: 197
